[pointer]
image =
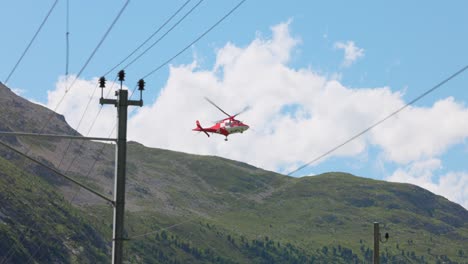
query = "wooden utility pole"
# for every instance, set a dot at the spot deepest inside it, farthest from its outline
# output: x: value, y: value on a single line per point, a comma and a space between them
x: 376, y: 243
x: 122, y: 104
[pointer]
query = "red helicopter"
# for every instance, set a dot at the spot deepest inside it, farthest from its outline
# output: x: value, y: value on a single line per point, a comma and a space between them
x: 225, y: 126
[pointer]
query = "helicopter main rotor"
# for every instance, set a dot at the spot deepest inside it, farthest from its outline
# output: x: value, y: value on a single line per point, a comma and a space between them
x: 224, y: 112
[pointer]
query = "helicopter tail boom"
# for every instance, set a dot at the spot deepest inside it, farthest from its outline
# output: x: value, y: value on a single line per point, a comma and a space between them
x: 200, y: 128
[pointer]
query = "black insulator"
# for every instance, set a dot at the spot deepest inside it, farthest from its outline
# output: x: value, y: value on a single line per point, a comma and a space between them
x: 387, y: 236
x: 121, y: 75
x: 141, y: 85
x: 102, y: 82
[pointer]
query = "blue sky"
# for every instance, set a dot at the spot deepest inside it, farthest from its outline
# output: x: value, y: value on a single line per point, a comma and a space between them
x: 400, y: 50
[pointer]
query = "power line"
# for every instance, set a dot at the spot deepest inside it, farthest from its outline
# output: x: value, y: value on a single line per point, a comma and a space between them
x: 76, y: 129
x: 67, y: 40
x: 196, y: 40
x: 82, y: 69
x: 159, y: 67
x: 10, y: 253
x: 149, y: 38
x: 89, y: 130
x: 188, y: 46
x: 57, y: 172
x: 61, y: 100
x: 8, y: 256
x: 167, y: 32
x: 180, y: 52
x: 98, y: 46
x: 206, y: 32
x: 380, y: 121
x: 31, y: 42
x: 133, y: 52
x: 91, y: 168
x: 340, y: 145
x: 88, y: 60
x: 164, y: 228
x: 84, y: 66
x: 100, y: 152
x: 86, y: 63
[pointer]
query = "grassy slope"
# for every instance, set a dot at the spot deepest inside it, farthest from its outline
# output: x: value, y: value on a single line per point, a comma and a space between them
x: 333, y: 210
x: 311, y: 212
x: 171, y: 181
x: 337, y: 208
x: 37, y: 223
x: 226, y: 199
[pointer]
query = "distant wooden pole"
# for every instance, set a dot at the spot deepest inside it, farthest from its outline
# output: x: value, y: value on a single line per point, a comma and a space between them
x: 376, y: 243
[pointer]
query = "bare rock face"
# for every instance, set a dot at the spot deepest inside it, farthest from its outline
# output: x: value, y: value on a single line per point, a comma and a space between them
x: 21, y: 115
x: 72, y: 157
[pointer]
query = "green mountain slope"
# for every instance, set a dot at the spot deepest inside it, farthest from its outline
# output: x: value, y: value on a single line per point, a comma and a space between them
x: 184, y: 208
x: 37, y: 224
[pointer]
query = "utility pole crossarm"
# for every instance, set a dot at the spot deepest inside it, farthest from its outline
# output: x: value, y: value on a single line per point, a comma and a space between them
x: 23, y: 134
x: 104, y: 101
x: 135, y: 102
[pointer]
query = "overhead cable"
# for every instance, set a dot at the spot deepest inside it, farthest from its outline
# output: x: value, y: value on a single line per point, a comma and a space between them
x: 167, y: 32
x: 163, y: 229
x: 31, y: 42
x: 149, y: 38
x: 97, y: 47
x: 133, y: 52
x: 57, y: 172
x: 67, y: 89
x: 194, y: 41
x: 380, y: 121
x: 67, y: 39
x: 61, y: 100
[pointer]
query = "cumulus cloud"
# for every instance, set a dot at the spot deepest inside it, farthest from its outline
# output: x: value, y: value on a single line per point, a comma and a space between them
x: 309, y: 111
x: 452, y: 185
x: 295, y: 114
x: 72, y: 97
x: 422, y: 132
x: 300, y: 107
x: 352, y: 52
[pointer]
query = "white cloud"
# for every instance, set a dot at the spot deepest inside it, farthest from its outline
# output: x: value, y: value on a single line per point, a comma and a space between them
x: 310, y: 112
x: 83, y: 95
x: 419, y: 173
x: 453, y: 185
x: 422, y: 132
x: 258, y: 76
x: 295, y: 114
x: 352, y: 52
